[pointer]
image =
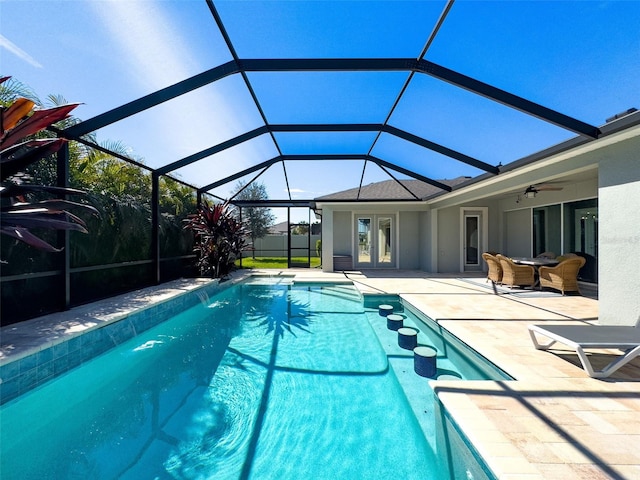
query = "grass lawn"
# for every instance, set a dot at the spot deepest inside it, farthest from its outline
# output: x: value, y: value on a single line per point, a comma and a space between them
x: 275, y: 262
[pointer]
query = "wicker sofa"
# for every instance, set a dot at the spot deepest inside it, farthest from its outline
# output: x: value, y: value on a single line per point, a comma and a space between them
x: 516, y: 275
x: 564, y: 276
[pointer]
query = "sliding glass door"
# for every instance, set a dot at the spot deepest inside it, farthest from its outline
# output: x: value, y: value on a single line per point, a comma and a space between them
x: 571, y: 227
x: 547, y: 230
x: 581, y: 235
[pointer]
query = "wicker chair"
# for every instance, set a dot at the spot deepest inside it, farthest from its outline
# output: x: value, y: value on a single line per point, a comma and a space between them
x: 564, y: 276
x: 495, y: 270
x: 516, y: 275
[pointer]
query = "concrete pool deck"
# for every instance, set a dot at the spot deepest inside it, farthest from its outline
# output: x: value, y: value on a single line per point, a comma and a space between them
x: 552, y: 421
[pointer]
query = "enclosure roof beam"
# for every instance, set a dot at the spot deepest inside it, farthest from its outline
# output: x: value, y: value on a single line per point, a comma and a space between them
x: 427, y: 45
x: 327, y: 64
x: 319, y: 156
x: 207, y: 152
x: 332, y: 64
x: 375, y: 160
x: 508, y: 99
x: 373, y: 127
x: 402, y: 185
x: 426, y: 67
x: 273, y: 203
x: 153, y: 99
x: 325, y: 127
x: 357, y: 127
x: 440, y: 149
x: 417, y: 176
x: 311, y: 157
x: 237, y: 175
x: 227, y: 39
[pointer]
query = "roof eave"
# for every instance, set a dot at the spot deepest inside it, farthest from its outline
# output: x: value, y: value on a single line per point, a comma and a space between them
x: 607, y: 130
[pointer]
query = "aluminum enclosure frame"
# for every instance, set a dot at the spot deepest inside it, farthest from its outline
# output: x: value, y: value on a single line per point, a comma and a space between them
x: 413, y: 66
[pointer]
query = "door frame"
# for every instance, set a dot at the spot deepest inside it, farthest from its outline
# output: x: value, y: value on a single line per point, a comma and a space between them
x: 483, y: 237
x: 374, y: 247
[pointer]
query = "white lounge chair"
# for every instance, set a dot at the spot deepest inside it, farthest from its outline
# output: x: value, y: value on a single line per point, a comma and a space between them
x: 582, y: 337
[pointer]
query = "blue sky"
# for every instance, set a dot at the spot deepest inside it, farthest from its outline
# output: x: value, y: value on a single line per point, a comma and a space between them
x: 581, y: 58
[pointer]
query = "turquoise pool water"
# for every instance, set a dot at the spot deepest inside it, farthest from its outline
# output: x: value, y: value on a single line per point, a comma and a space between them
x: 261, y: 382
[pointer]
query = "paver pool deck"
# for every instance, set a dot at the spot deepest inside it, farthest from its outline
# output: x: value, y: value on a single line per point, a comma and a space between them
x: 551, y: 422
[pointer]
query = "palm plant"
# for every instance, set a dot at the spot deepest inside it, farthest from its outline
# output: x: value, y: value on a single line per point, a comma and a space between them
x: 219, y: 238
x: 20, y: 125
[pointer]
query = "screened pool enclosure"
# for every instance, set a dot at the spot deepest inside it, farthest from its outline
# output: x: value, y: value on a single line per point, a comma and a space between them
x: 310, y: 98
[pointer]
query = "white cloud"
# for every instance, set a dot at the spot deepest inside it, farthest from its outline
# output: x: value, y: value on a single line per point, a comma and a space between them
x: 157, y: 55
x: 143, y: 34
x: 18, y: 52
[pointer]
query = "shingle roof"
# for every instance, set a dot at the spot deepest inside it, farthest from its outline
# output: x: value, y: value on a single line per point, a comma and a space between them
x: 279, y: 228
x: 390, y: 190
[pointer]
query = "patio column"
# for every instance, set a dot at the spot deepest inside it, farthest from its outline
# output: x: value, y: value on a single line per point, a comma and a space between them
x: 433, y: 241
x: 327, y: 239
x: 618, y: 238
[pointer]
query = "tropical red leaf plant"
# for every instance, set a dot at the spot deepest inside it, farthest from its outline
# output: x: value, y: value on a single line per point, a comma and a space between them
x: 219, y: 238
x: 32, y: 124
x: 15, y: 159
x: 19, y: 123
x: 16, y: 112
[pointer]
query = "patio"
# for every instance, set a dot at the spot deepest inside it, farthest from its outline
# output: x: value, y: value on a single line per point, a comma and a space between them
x: 552, y: 422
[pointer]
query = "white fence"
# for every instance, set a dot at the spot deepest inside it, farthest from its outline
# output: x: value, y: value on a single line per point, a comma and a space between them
x: 277, y: 246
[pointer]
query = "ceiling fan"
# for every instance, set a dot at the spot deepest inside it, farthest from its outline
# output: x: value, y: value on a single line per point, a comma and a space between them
x: 532, y: 190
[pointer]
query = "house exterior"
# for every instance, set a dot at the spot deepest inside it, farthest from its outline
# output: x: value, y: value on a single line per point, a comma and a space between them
x: 587, y: 201
x: 281, y: 228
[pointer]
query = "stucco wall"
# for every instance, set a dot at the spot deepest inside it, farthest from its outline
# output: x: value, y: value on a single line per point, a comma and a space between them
x: 517, y: 234
x: 448, y: 235
x: 342, y: 243
x: 425, y: 240
x: 409, y: 251
x: 619, y: 235
x: 494, y: 226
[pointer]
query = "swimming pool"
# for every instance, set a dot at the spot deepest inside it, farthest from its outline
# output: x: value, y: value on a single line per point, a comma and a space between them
x: 279, y: 381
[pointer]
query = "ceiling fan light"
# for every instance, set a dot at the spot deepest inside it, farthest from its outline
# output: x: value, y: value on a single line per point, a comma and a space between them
x: 530, y: 192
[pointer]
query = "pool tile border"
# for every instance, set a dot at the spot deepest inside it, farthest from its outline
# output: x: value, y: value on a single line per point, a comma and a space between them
x: 90, y: 334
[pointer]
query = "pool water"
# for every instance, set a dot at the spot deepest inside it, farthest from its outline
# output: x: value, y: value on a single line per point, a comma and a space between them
x: 261, y: 382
